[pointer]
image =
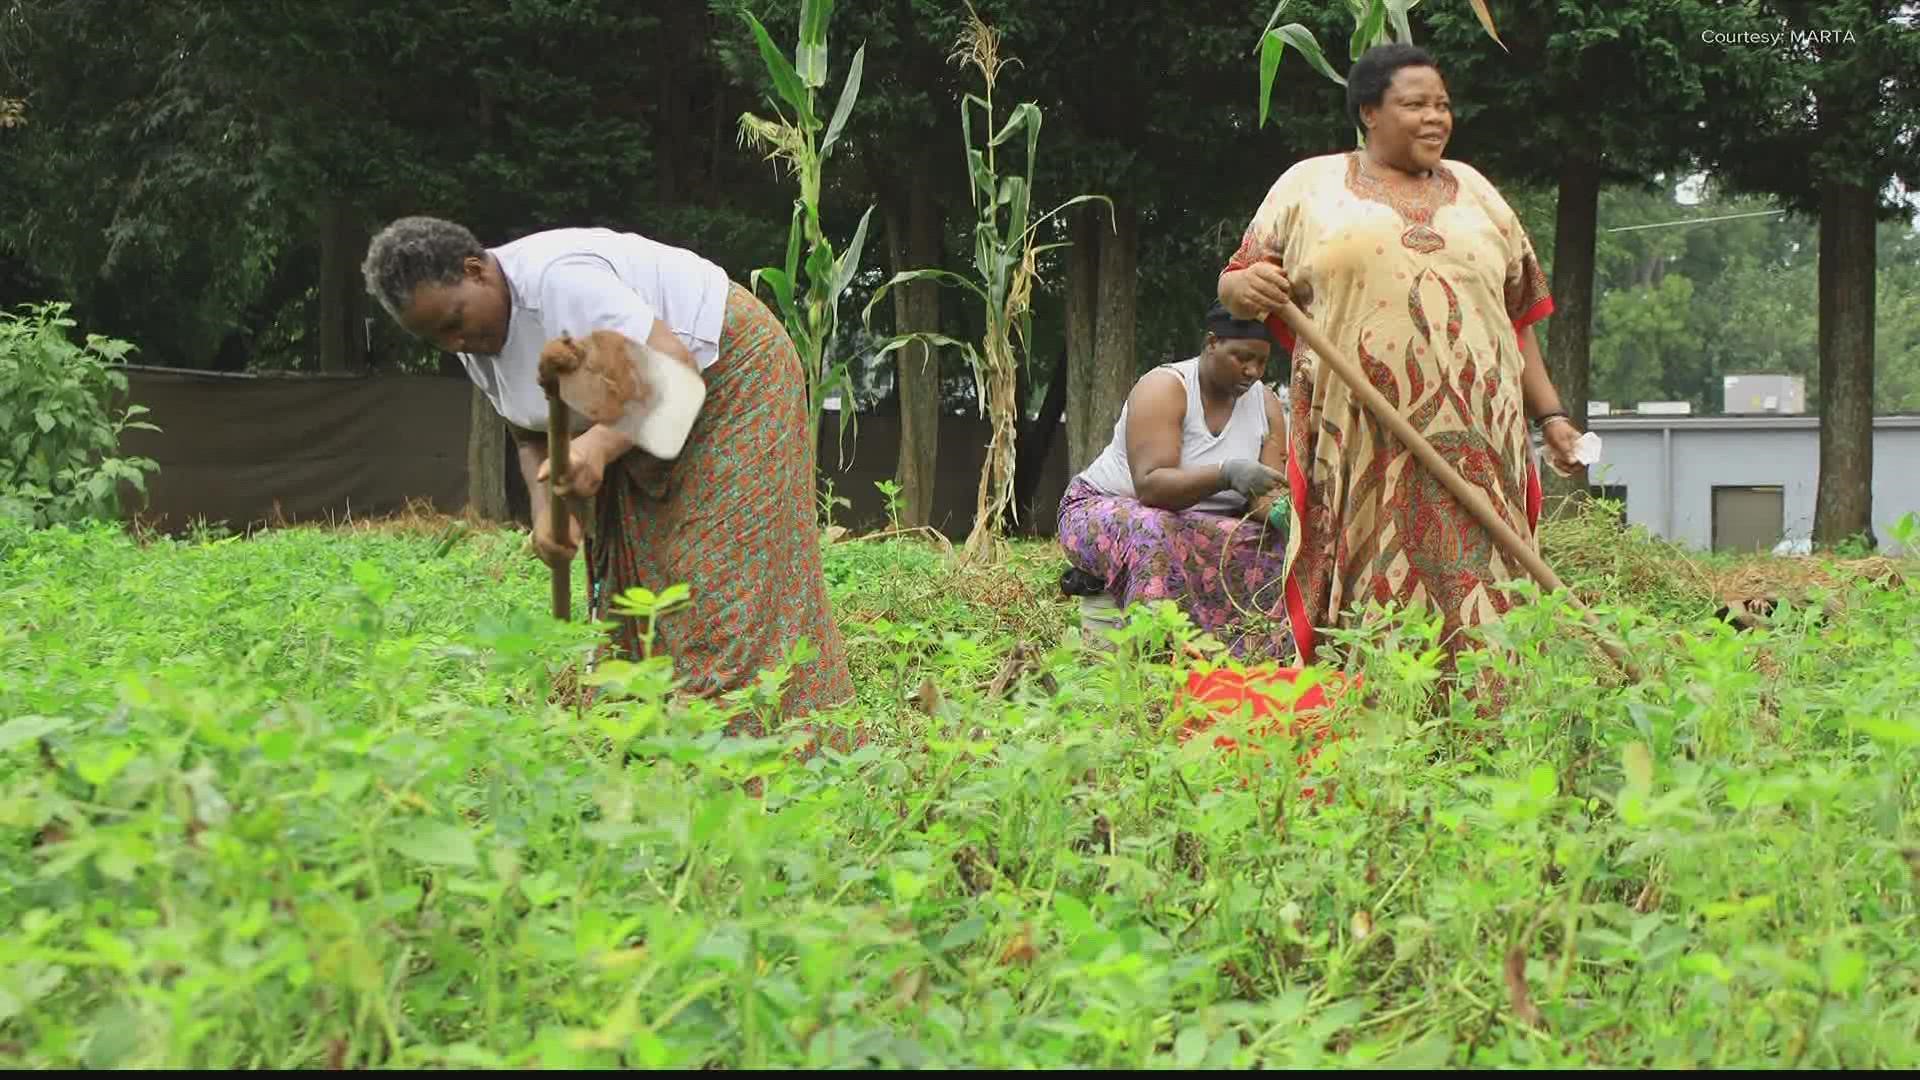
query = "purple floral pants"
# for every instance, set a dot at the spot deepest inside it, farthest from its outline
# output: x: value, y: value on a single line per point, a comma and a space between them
x: 1224, y: 572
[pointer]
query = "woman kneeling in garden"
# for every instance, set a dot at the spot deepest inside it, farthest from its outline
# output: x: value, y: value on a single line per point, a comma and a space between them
x: 1180, y: 505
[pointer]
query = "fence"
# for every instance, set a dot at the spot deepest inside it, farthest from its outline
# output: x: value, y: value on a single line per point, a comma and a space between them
x: 241, y: 450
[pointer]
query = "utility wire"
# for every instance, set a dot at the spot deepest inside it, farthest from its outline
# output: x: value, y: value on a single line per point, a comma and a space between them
x: 1693, y: 221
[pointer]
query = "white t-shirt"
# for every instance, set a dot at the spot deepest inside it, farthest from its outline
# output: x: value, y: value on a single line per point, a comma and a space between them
x: 576, y: 281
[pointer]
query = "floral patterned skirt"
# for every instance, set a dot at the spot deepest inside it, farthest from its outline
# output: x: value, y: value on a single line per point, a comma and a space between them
x: 1226, y: 573
x: 732, y: 519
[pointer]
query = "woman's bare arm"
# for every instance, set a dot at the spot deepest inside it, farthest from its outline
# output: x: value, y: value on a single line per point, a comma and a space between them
x: 1155, y: 411
x: 531, y: 451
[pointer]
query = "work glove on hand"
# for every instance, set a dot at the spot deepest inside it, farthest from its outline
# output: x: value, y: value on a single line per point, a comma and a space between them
x: 1248, y: 477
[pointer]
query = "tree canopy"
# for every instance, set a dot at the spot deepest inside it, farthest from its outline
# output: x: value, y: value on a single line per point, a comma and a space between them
x: 201, y: 178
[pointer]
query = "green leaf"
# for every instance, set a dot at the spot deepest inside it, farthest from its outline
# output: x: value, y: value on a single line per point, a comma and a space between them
x: 1278, y: 9
x: 1272, y: 47
x: 906, y: 277
x: 26, y: 729
x: 982, y: 177
x: 811, y: 56
x: 715, y: 814
x: 779, y: 282
x: 1190, y: 1047
x: 820, y: 267
x: 1637, y: 761
x: 1368, y: 32
x: 116, y: 1034
x: 848, y: 92
x: 933, y: 340
x: 437, y: 843
x: 978, y: 173
x: 1302, y: 39
x: 965, y: 933
x: 1397, y: 16
x: 1893, y: 731
x: 1004, y: 195
x: 1706, y: 963
x: 1113, y: 222
x: 849, y: 263
x: 785, y: 81
x: 1846, y: 970
x: 1542, y: 782
x: 1032, y: 112
x: 98, y: 766
x: 1073, y: 914
x: 794, y: 233
x: 1023, y: 114
x: 278, y: 745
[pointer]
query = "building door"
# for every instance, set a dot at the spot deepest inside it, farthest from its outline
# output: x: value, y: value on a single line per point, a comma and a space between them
x: 1747, y: 519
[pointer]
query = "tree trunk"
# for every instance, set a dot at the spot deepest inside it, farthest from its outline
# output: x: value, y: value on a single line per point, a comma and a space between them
x: 486, y: 461
x: 1843, y: 505
x: 1114, y: 359
x: 718, y: 146
x: 1085, y: 435
x: 672, y: 95
x: 343, y: 340
x: 1036, y: 445
x: 913, y: 232
x: 1570, y: 352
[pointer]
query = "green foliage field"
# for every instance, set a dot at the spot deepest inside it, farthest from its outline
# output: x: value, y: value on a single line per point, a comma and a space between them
x: 307, y: 799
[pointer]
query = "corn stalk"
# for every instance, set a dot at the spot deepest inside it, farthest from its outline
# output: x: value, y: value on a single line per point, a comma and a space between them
x: 1375, y: 22
x: 803, y: 143
x: 1005, y: 256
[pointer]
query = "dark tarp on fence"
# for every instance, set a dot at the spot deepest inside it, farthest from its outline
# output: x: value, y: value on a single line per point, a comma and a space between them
x: 244, y: 450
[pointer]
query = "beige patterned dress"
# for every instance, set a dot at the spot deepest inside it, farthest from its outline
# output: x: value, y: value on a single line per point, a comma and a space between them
x: 1426, y: 287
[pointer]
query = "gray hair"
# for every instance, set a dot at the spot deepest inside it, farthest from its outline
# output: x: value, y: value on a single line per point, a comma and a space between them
x: 416, y: 251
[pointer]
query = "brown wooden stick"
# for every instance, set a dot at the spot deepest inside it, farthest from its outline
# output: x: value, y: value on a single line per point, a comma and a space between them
x: 1471, y: 497
x: 559, y: 437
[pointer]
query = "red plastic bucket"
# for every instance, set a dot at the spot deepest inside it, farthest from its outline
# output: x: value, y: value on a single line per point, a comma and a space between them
x: 1264, y: 691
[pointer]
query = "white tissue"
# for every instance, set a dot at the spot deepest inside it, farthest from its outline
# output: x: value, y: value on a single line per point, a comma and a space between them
x: 1586, y: 449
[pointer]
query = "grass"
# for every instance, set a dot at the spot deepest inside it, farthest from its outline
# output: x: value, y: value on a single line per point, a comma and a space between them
x: 306, y: 799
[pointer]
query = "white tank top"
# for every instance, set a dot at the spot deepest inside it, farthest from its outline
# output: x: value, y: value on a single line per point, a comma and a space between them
x: 1246, y: 429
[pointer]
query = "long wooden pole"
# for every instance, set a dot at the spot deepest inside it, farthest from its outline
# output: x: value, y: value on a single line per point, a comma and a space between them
x: 559, y: 436
x: 1471, y: 497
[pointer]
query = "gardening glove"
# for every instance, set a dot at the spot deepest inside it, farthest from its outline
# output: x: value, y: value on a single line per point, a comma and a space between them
x: 1248, y: 477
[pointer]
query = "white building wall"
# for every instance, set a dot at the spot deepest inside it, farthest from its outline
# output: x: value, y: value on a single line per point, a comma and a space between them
x: 1670, y: 466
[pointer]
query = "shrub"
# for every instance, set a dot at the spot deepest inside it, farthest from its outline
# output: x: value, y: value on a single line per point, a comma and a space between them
x: 59, y: 433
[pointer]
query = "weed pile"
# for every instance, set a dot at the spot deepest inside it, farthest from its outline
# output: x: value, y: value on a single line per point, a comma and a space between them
x: 306, y: 799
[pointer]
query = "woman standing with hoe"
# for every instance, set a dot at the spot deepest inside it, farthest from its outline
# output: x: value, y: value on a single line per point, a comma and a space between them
x: 1415, y: 267
x: 731, y: 517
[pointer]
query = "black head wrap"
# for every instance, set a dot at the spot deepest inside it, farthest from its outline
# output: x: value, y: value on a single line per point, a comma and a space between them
x: 1221, y: 324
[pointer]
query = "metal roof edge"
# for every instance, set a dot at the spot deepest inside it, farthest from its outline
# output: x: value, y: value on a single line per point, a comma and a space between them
x: 1894, y: 422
